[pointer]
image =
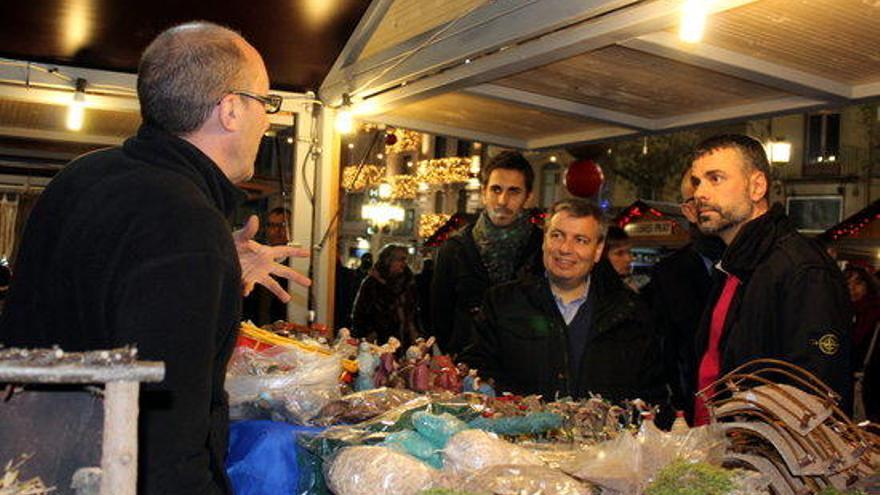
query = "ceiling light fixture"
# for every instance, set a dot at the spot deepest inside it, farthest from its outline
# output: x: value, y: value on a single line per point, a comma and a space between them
x: 76, y: 108
x: 344, y: 118
x: 693, y: 21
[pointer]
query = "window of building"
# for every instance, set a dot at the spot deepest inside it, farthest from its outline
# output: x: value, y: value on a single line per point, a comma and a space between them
x: 551, y: 184
x: 823, y: 138
x: 354, y: 203
x: 439, y: 147
x: 463, y: 148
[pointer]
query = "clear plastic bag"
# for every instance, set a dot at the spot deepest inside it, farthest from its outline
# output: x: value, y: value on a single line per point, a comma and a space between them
x: 472, y: 450
x: 368, y: 470
x: 362, y: 406
x: 515, y: 480
x: 627, y: 464
x: 283, y: 383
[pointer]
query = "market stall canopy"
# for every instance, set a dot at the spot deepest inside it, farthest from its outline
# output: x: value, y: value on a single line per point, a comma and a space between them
x: 101, y: 41
x: 858, y: 235
x: 536, y: 74
x: 654, y: 223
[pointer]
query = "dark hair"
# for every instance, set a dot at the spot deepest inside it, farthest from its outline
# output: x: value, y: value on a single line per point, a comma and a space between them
x: 615, y: 237
x: 185, y: 71
x: 509, y: 160
x: 280, y: 210
x: 383, y: 263
x: 752, y: 151
x: 863, y: 274
x: 580, y: 208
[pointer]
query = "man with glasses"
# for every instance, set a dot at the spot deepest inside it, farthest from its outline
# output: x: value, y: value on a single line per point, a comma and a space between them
x: 679, y: 289
x: 131, y: 246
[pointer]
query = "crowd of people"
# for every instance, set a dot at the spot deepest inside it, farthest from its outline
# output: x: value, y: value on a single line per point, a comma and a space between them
x: 131, y: 246
x: 557, y: 311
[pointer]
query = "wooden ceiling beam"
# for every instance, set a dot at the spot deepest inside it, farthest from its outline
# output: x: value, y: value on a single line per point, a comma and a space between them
x: 667, y: 45
x: 445, y: 130
x: 562, y: 106
x: 494, y: 26
x: 623, y: 23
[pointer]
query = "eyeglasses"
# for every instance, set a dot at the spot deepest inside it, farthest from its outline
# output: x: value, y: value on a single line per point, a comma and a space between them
x: 271, y: 103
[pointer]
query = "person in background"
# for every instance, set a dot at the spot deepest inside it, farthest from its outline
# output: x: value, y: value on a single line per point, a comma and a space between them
x: 262, y: 307
x: 864, y: 292
x: 780, y: 296
x: 131, y: 246
x: 423, y: 285
x: 618, y: 252
x: 573, y: 330
x: 491, y: 251
x: 679, y: 289
x: 386, y: 304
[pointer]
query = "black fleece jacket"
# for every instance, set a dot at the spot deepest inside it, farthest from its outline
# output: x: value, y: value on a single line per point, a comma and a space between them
x: 792, y: 305
x: 131, y: 246
x: 521, y: 341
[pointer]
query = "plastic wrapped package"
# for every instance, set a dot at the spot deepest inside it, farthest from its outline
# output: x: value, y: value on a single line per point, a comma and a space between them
x: 437, y: 428
x: 529, y: 424
x: 472, y: 450
x: 290, y: 382
x: 514, y: 480
x: 413, y: 443
x: 613, y: 465
x: 362, y: 406
x: 629, y: 463
x: 368, y: 470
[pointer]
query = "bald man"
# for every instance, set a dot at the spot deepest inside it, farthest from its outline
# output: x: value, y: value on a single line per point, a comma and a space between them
x: 132, y: 246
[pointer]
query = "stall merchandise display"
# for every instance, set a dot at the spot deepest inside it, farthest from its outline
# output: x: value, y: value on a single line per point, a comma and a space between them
x: 417, y: 424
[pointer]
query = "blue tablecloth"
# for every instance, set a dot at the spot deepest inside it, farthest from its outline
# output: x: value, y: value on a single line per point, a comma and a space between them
x: 265, y: 459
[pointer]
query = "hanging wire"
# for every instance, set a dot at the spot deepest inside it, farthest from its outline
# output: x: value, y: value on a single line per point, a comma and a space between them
x: 403, y: 57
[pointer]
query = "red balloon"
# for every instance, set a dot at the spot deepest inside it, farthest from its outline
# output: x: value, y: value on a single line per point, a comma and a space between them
x: 584, y: 178
x: 390, y: 139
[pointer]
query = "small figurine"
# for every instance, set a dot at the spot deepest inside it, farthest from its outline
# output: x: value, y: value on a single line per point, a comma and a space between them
x: 420, y: 375
x: 447, y: 377
x: 367, y: 362
x: 387, y: 363
x: 473, y: 383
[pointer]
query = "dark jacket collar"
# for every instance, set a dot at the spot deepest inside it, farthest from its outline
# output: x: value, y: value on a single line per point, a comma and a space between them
x: 613, y: 302
x: 754, y: 242
x: 162, y: 149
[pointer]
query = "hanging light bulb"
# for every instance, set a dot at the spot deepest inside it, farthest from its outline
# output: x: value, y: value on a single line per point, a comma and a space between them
x: 693, y: 21
x: 76, y: 109
x: 645, y: 146
x: 344, y: 118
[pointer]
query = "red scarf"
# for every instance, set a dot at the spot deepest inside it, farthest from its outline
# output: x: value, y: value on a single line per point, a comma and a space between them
x: 710, y: 365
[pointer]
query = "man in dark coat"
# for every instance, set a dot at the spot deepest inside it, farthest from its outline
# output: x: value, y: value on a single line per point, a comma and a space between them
x: 781, y: 296
x: 679, y: 289
x: 574, y: 330
x: 491, y: 251
x: 131, y: 246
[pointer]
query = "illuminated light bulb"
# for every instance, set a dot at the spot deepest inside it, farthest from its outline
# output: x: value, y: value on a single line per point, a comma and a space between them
x: 780, y: 152
x: 693, y: 21
x: 76, y: 110
x: 552, y: 158
x: 351, y: 146
x: 385, y: 190
x: 344, y: 121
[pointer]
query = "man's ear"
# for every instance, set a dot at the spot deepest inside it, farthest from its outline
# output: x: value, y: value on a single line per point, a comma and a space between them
x: 758, y: 186
x: 599, y: 252
x: 229, y: 112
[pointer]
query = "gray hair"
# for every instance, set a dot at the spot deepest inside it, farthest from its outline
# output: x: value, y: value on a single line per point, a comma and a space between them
x: 580, y: 208
x: 185, y: 72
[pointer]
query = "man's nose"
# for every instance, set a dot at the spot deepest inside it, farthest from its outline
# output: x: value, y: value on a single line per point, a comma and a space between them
x: 502, y: 198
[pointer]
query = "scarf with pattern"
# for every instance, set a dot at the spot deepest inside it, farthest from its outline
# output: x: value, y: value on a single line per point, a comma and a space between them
x: 500, y: 247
